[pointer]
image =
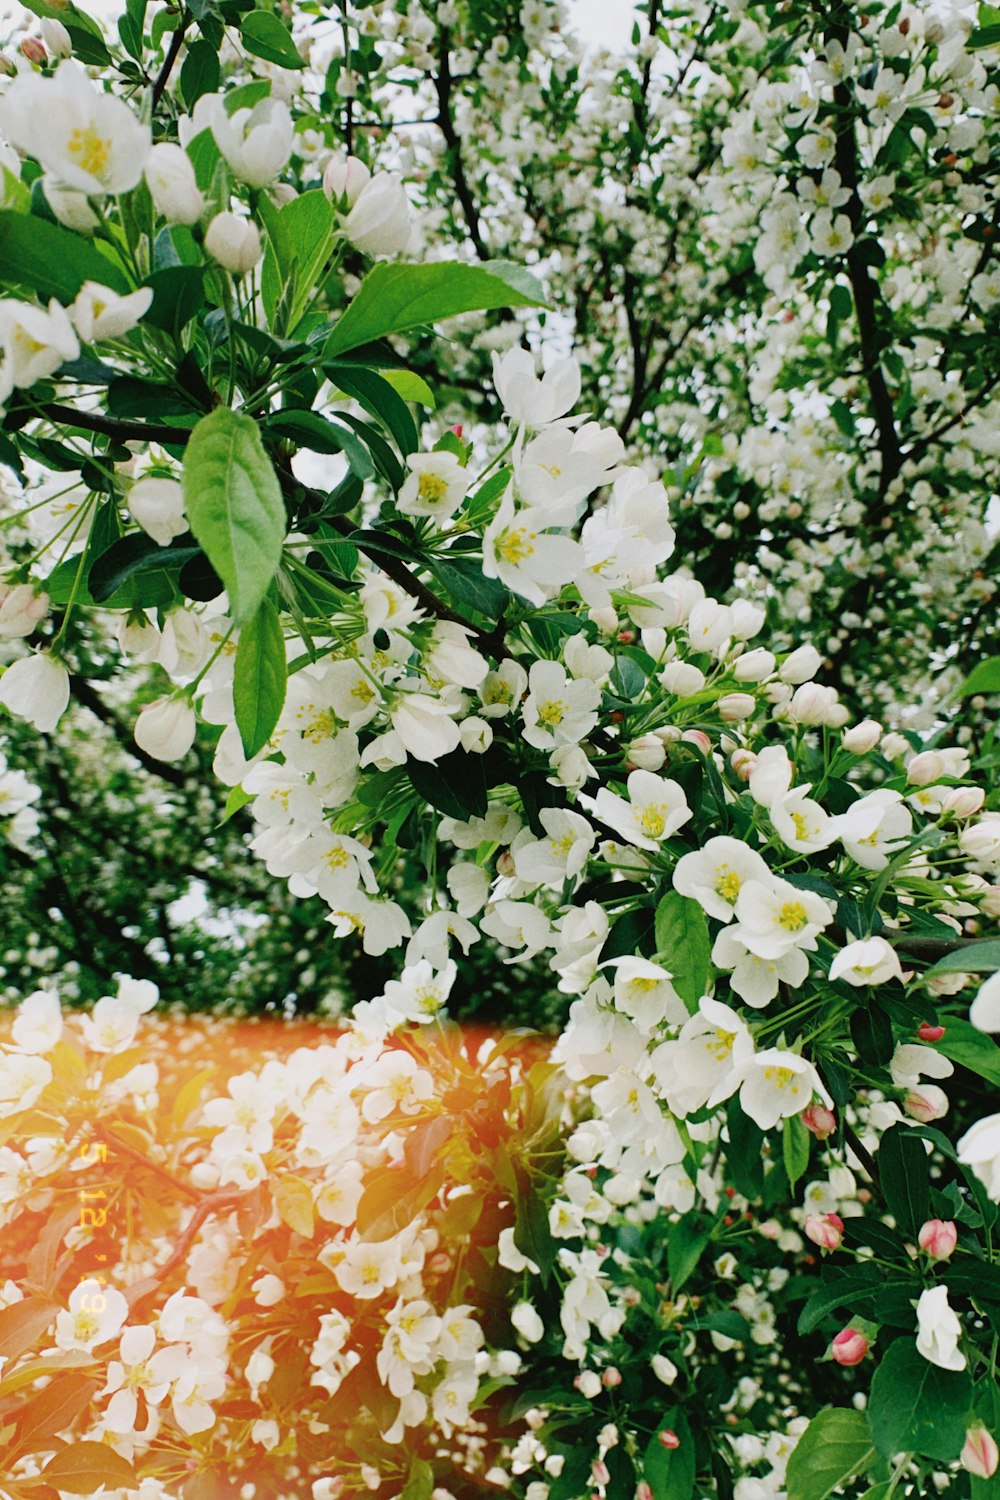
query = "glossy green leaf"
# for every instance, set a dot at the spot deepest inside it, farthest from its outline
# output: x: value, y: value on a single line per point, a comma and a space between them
x: 835, y: 1446
x: 300, y: 237
x: 684, y: 946
x: 917, y: 1407
x: 260, y: 678
x: 670, y: 1472
x: 686, y: 1243
x: 410, y: 386
x: 975, y: 958
x: 970, y: 1048
x: 51, y: 260
x: 905, y: 1176
x: 265, y: 36
x: 393, y: 298
x: 234, y: 505
x: 984, y: 678
x: 795, y: 1143
x: 82, y: 1468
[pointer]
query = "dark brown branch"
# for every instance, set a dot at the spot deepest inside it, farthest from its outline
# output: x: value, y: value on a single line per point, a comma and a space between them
x: 930, y: 947
x: 864, y: 1156
x: 176, y: 43
x: 208, y: 1206
x: 442, y: 85
x: 865, y: 295
x: 113, y: 427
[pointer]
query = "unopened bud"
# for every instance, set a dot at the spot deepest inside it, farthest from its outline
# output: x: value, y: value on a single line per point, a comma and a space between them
x: 735, y: 707
x: 938, y: 1238
x: 667, y: 1438
x: 980, y: 1455
x: 33, y: 49
x: 819, y: 1121
x: 963, y: 801
x: 849, y: 1347
x: 928, y: 1032
x: 926, y: 1104
x: 611, y: 1378
x: 825, y: 1230
x: 646, y: 753
x: 698, y: 738
x: 924, y: 768
x: 861, y: 738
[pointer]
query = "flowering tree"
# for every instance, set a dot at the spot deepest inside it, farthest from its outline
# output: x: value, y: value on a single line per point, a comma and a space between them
x: 727, y: 1238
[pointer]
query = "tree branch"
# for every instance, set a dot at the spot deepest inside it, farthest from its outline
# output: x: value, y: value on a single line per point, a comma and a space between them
x: 84, y: 693
x: 442, y: 85
x: 864, y: 1156
x: 930, y: 947
x: 865, y: 296
x: 113, y: 427
x: 176, y: 42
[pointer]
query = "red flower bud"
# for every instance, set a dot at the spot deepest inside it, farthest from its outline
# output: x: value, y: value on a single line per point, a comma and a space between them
x: 849, y: 1347
x: 819, y: 1121
x: 928, y: 1032
x: 668, y: 1438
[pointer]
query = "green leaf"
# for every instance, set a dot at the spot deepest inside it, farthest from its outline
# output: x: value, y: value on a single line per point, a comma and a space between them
x: 265, y: 36
x: 455, y: 785
x: 128, y: 559
x: 871, y: 1032
x: 744, y: 1153
x: 532, y: 1234
x: 68, y: 13
x: 465, y: 585
x: 984, y: 678
x: 395, y: 297
x: 795, y: 1144
x: 178, y: 293
x: 319, y: 435
x: 410, y: 386
x: 200, y: 73
x: 841, y: 1290
x: 51, y: 260
x: 977, y: 958
x: 378, y: 398
x: 670, y: 1472
x: 234, y: 505
x: 683, y: 943
x: 916, y: 1407
x: 685, y: 1246
x: 83, y: 1467
x: 260, y: 678
x: 300, y: 237
x: 970, y: 1048
x: 835, y: 1446
x: 905, y: 1176
x: 419, y: 1482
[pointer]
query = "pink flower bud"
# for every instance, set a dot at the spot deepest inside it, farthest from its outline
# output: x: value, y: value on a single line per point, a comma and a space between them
x: 928, y: 1032
x: 699, y: 738
x: 643, y: 1491
x: 611, y: 1378
x: 980, y: 1456
x: 600, y: 1473
x: 668, y: 1438
x: 825, y: 1230
x: 849, y: 1347
x: 33, y: 49
x: 819, y: 1121
x: 926, y: 1104
x: 457, y: 429
x: 743, y: 763
x: 938, y: 1238
x: 963, y: 801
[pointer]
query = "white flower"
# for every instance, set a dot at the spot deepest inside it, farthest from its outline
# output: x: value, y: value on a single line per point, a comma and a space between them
x: 775, y: 916
x: 777, y: 1085
x: 22, y: 609
x: 95, y: 1314
x: 755, y: 979
x: 172, y: 183
x: 985, y: 1011
x: 868, y: 961
x: 165, y: 728
x: 36, y: 689
x: 518, y: 552
x: 644, y: 993
x: 38, y: 1025
x: 800, y: 822
x: 979, y: 1149
x: 502, y: 689
x: 379, y: 223
x: 139, y: 1369
x: 531, y: 401
x: 35, y: 342
x: 22, y: 1079
x: 558, y: 711
x: 421, y: 993
x: 256, y: 142
x: 560, y: 856
x: 86, y: 138
x: 714, y: 876
x: 706, y: 1062
x: 655, y: 809
x: 100, y: 313
x: 874, y: 827
x: 158, y: 506
x: 234, y: 243
x: 527, y: 1322
x: 938, y: 1330
x: 425, y: 726
x: 509, y: 1255
x: 435, y: 486
x: 344, y: 178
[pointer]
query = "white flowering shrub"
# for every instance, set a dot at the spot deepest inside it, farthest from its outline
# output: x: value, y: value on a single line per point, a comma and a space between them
x: 729, y: 1238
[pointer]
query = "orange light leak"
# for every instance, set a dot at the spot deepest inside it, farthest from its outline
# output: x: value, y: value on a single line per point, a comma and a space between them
x: 130, y: 1204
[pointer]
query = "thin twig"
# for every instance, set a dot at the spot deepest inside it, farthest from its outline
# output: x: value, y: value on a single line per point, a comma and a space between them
x: 176, y: 42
